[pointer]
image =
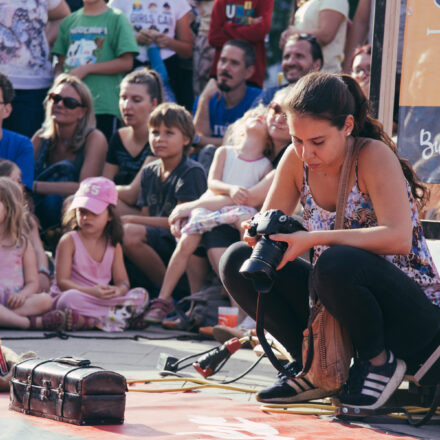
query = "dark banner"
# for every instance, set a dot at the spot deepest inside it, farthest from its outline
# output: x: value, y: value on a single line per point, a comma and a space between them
x: 419, y: 112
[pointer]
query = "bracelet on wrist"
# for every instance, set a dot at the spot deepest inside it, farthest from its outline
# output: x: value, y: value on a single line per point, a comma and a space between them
x: 44, y: 271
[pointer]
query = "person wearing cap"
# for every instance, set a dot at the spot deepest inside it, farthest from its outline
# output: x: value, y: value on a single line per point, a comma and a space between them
x: 89, y: 257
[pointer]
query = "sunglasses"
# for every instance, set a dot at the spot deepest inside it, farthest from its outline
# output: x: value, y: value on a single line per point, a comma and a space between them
x: 68, y: 102
x: 276, y: 108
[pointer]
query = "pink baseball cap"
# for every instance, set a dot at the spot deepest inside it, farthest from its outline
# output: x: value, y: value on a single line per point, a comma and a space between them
x: 95, y: 194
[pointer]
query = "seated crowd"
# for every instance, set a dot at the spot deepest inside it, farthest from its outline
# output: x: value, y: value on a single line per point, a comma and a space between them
x: 121, y: 201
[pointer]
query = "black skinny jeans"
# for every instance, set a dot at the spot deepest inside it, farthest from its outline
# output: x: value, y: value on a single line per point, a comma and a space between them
x: 379, y: 305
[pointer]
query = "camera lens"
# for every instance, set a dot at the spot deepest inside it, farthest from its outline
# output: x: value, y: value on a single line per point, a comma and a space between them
x: 261, y: 266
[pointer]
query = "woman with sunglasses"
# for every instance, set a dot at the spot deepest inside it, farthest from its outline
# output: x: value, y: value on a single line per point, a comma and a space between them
x: 67, y: 149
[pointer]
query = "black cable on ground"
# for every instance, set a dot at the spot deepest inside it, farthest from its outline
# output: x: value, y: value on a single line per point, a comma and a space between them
x: 245, y: 372
x: 64, y: 336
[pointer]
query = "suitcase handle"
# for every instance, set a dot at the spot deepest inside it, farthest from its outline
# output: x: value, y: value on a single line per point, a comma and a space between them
x: 73, y: 361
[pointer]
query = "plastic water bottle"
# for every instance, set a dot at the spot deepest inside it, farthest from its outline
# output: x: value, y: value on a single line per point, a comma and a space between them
x: 157, y: 64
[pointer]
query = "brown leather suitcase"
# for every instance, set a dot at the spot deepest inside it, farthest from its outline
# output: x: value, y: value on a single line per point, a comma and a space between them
x: 68, y: 389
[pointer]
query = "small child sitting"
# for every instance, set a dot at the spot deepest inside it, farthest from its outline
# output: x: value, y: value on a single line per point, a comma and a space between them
x: 234, y: 169
x: 166, y: 182
x: 20, y: 303
x: 89, y: 257
x: 31, y: 227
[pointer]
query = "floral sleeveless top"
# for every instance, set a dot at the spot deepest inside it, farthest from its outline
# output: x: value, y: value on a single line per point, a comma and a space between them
x: 359, y: 213
x: 11, y: 270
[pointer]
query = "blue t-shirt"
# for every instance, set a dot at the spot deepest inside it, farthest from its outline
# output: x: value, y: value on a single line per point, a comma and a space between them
x: 18, y: 149
x: 220, y: 116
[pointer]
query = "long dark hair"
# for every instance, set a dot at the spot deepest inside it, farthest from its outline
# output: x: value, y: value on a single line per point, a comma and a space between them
x: 333, y: 98
x: 113, y: 230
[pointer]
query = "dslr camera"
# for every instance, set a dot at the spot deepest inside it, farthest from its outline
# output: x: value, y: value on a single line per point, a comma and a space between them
x: 267, y: 254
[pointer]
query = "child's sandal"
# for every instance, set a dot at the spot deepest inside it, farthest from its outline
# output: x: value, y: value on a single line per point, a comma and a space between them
x: 75, y: 321
x: 52, y: 320
x: 137, y: 323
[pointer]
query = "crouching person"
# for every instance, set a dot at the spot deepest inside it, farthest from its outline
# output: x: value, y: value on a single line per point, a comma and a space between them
x: 375, y: 276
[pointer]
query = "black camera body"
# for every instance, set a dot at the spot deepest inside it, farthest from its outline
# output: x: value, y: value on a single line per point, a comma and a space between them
x: 267, y: 254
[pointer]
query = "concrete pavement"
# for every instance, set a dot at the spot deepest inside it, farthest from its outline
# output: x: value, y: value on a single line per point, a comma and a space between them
x: 137, y: 359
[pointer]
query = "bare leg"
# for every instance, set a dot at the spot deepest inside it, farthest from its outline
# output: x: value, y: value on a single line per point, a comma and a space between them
x: 214, y: 255
x: 35, y: 305
x: 140, y: 253
x: 178, y: 262
x: 10, y: 319
x: 196, y: 271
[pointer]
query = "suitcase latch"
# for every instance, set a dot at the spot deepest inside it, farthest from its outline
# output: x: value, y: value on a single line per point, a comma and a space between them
x: 45, y: 392
x: 60, y: 391
x: 29, y: 384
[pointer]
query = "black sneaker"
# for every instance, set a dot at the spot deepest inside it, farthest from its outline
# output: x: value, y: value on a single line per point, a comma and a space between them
x: 291, y: 390
x: 369, y: 387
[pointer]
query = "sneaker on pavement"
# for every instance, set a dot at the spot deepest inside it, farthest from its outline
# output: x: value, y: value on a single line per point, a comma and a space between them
x: 291, y: 389
x: 369, y: 386
x: 158, y: 310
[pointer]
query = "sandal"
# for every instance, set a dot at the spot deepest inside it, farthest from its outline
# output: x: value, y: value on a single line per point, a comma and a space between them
x: 53, y: 320
x: 137, y: 323
x: 158, y: 310
x: 79, y: 322
x: 185, y: 324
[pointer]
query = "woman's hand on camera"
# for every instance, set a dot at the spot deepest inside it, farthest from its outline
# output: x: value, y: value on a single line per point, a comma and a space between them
x: 298, y: 243
x: 251, y: 241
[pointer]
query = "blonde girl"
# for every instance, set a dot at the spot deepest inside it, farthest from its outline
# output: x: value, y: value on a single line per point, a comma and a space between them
x: 11, y: 170
x: 20, y: 302
x: 91, y: 283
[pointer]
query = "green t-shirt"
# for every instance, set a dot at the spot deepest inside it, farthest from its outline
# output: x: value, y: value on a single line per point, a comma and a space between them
x: 85, y: 39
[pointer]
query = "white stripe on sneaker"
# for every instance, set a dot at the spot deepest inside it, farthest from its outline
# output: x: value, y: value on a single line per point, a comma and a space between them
x: 371, y: 393
x: 299, y: 385
x: 374, y: 385
x: 378, y: 377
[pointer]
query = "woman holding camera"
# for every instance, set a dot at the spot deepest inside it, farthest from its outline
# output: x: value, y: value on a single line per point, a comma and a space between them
x: 375, y: 276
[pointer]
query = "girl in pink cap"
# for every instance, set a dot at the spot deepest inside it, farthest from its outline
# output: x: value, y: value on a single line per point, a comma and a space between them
x: 89, y: 256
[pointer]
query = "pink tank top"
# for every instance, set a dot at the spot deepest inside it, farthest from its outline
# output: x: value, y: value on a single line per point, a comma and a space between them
x: 11, y: 268
x: 85, y: 270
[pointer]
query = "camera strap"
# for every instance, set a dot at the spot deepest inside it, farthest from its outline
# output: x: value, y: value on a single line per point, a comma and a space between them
x: 354, y: 145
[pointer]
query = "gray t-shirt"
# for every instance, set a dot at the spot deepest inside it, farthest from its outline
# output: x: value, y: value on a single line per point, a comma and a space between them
x: 187, y: 182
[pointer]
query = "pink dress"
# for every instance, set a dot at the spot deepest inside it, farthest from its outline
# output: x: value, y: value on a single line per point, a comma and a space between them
x: 112, y: 314
x: 11, y: 270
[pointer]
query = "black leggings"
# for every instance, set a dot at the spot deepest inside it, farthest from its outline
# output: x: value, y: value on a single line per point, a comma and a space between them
x: 376, y: 302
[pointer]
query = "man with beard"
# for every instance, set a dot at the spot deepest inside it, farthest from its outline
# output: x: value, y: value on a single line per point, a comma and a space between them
x: 301, y: 54
x: 226, y: 98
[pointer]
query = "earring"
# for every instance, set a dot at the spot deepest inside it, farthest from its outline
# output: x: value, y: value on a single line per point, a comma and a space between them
x: 349, y: 133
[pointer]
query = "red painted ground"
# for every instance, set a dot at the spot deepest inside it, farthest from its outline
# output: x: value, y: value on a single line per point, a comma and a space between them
x: 189, y: 416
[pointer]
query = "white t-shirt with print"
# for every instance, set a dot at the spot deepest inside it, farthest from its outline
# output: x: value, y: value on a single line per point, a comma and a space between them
x: 159, y: 15
x: 24, y: 50
x: 307, y: 18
